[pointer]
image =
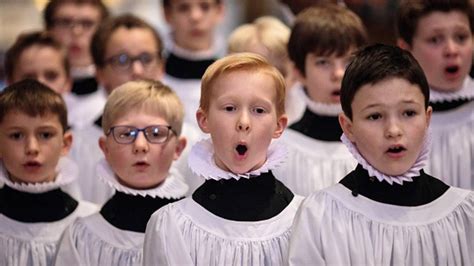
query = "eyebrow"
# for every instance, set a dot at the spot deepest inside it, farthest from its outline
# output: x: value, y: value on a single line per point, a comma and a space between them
x: 403, y: 102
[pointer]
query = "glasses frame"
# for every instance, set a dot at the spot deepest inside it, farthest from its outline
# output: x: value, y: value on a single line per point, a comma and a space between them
x: 138, y: 130
x: 67, y: 23
x: 110, y: 61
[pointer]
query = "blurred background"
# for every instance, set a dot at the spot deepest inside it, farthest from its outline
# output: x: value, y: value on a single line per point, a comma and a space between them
x: 17, y: 16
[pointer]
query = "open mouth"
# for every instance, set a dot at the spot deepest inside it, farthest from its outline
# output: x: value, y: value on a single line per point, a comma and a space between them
x: 241, y: 149
x: 452, y: 69
x: 396, y: 149
x: 336, y: 93
x: 140, y: 164
x: 32, y: 165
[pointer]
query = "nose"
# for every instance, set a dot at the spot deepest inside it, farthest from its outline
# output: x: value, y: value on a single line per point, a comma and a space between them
x: 140, y: 144
x: 393, y: 129
x: 451, y: 48
x: 339, y: 69
x: 195, y: 13
x: 32, y: 146
x: 243, y: 124
x: 137, y: 68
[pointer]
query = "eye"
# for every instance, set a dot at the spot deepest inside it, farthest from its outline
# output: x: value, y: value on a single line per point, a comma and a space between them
x: 51, y: 75
x: 16, y: 135
x: 435, y: 39
x: 374, y: 116
x: 46, y: 135
x: 145, y: 58
x: 183, y: 7
x: 461, y: 38
x: 259, y: 110
x: 206, y: 6
x: 229, y: 108
x: 321, y: 62
x: 410, y: 113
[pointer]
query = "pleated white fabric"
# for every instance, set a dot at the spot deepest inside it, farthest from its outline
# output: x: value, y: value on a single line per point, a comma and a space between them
x: 334, y: 228
x: 94, y: 241
x: 312, y: 164
x: 184, y: 233
x: 35, y: 244
x: 452, y: 146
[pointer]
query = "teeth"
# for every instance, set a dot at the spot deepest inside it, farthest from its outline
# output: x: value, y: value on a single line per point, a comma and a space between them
x: 241, y: 149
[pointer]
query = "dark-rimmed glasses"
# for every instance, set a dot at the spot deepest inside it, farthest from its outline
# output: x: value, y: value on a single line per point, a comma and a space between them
x: 154, y: 134
x: 68, y: 23
x: 123, y: 62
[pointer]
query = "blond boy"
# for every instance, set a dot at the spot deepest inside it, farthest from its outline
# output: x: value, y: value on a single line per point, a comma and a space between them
x: 142, y: 126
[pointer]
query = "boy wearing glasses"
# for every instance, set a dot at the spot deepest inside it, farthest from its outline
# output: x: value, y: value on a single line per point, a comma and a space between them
x: 124, y: 48
x: 142, y: 123
x: 72, y: 23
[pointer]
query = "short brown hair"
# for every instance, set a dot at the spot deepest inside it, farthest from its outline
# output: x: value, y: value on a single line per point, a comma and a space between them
x: 105, y: 30
x: 325, y: 30
x: 147, y: 95
x: 27, y: 40
x: 49, y: 14
x: 241, y: 62
x: 411, y: 11
x: 34, y: 99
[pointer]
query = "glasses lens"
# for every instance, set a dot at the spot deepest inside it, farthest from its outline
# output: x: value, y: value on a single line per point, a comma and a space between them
x: 124, y: 134
x: 157, y: 134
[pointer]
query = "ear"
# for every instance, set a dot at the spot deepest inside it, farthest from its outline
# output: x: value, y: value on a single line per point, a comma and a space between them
x: 101, y: 79
x: 67, y: 143
x: 68, y: 86
x: 180, y: 146
x: 167, y: 14
x: 346, y: 125
x: 403, y: 44
x: 201, y: 118
x: 429, y: 112
x: 103, y: 145
x: 298, y: 74
x: 281, y: 125
x: 220, y: 11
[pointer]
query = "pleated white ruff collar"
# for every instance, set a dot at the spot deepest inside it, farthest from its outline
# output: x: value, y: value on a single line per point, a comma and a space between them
x: 171, y: 188
x: 407, y: 176
x: 319, y: 108
x: 201, y: 161
x: 66, y: 169
x: 465, y: 93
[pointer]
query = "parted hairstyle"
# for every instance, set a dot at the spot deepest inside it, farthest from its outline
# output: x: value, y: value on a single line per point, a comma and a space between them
x: 152, y: 97
x: 27, y: 40
x: 377, y: 63
x: 249, y: 62
x: 53, y: 5
x: 104, y: 32
x: 325, y: 30
x: 33, y: 98
x: 410, y: 12
x: 267, y: 31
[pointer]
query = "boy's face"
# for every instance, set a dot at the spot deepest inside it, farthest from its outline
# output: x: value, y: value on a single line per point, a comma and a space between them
x: 141, y: 164
x: 74, y: 25
x: 323, y: 76
x: 123, y: 45
x: 30, y: 147
x: 389, y: 124
x: 242, y: 120
x: 44, y: 64
x: 193, y: 22
x: 443, y: 45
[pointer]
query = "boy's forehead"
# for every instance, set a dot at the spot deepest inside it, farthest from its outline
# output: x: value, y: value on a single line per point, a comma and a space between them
x: 18, y: 118
x: 74, y: 10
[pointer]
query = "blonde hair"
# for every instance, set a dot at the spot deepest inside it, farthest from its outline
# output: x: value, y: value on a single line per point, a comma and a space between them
x: 144, y: 95
x: 249, y: 62
x: 268, y: 32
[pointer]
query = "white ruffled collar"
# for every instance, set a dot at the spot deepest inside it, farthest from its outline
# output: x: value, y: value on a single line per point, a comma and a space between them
x: 201, y: 161
x: 407, y: 176
x: 67, y: 172
x: 465, y: 93
x: 319, y: 108
x: 172, y: 187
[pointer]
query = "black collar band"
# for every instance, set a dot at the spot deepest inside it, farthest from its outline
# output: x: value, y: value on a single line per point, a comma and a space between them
x: 325, y: 128
x: 84, y: 86
x: 183, y: 68
x: 448, y: 105
x: 131, y: 213
x: 255, y: 199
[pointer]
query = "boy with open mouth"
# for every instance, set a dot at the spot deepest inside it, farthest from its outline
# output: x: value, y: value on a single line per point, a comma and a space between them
x: 439, y: 35
x: 242, y: 214
x: 387, y: 211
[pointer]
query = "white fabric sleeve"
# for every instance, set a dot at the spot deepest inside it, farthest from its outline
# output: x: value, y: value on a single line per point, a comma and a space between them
x: 164, y: 242
x: 67, y: 253
x: 305, y: 246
